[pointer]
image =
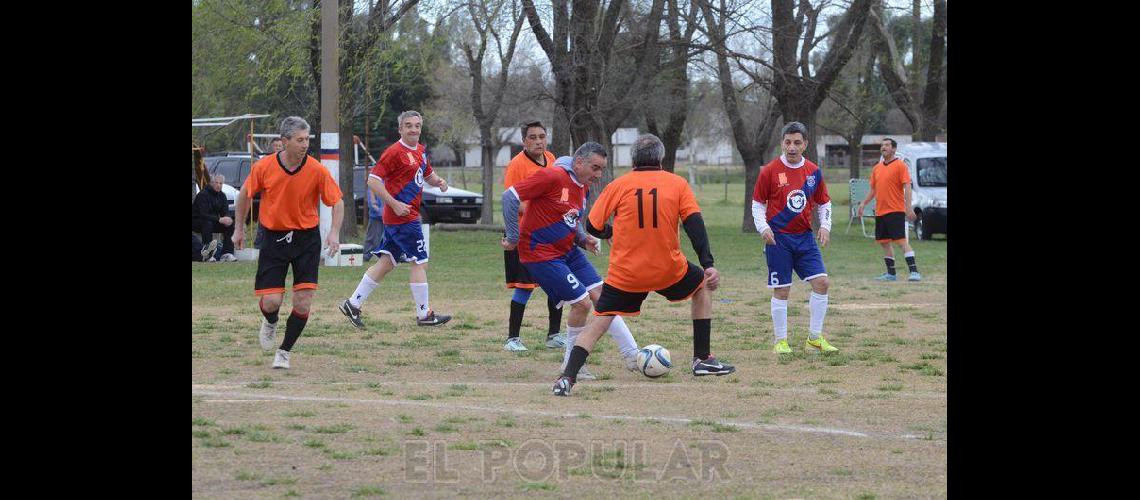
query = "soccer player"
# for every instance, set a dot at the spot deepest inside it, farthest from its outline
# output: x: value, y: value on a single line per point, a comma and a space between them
x: 531, y: 159
x: 785, y: 193
x: 291, y: 184
x: 547, y: 236
x: 890, y: 188
x: 398, y: 179
x: 647, y: 204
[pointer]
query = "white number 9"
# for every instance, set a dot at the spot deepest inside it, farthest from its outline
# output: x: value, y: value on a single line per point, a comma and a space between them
x: 570, y: 278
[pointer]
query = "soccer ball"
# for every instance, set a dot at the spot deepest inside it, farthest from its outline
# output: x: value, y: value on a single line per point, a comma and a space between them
x: 653, y: 361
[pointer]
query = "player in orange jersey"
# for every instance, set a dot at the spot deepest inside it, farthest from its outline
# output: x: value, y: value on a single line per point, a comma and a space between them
x: 647, y: 205
x: 890, y: 188
x: 291, y: 184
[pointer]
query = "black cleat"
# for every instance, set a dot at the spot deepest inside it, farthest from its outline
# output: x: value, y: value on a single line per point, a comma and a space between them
x: 562, y: 386
x: 711, y: 366
x: 352, y: 313
x: 433, y: 319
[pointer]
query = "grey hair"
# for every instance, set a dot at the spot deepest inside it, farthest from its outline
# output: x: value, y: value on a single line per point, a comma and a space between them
x: 647, y: 151
x: 794, y: 127
x: 218, y: 177
x: 292, y: 125
x: 589, y: 148
x: 408, y: 114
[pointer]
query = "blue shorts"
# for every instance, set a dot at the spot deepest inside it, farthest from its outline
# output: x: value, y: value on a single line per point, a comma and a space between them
x: 567, y: 279
x: 793, y: 251
x: 403, y: 243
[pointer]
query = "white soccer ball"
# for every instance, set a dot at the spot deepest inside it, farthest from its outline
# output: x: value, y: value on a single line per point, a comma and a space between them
x: 654, y: 361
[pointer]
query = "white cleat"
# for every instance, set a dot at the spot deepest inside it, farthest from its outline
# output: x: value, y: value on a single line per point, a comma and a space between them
x: 583, y: 374
x: 268, y: 334
x: 281, y: 360
x: 514, y: 344
x: 631, y: 362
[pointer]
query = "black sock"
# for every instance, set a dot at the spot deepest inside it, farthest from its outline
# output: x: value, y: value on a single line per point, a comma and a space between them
x: 555, y: 317
x: 890, y: 265
x: 910, y: 263
x: 577, y: 359
x: 701, y: 334
x: 515, y: 323
x: 269, y: 316
x: 293, y: 327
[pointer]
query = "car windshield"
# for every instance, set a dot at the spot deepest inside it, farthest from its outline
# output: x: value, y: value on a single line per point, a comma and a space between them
x: 932, y: 172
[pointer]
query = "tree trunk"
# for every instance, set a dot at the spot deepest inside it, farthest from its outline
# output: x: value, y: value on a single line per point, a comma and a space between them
x: 487, y: 148
x: 855, y: 152
x: 932, y: 98
x: 348, y: 229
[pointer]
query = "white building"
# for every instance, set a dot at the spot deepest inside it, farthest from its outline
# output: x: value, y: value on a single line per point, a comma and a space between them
x: 832, y: 149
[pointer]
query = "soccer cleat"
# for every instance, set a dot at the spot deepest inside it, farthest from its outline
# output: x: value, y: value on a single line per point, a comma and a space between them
x: 281, y: 360
x: 352, y: 313
x: 208, y: 251
x: 584, y: 374
x: 631, y: 362
x: 268, y: 334
x: 914, y: 276
x: 433, y: 319
x: 228, y: 257
x: 886, y: 277
x: 820, y: 345
x: 514, y: 344
x: 556, y: 341
x: 711, y: 366
x: 562, y: 386
x: 782, y: 347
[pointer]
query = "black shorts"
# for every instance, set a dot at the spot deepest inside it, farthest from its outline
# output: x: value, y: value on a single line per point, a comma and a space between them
x: 517, y: 275
x: 615, y: 301
x: 890, y: 226
x: 301, y: 248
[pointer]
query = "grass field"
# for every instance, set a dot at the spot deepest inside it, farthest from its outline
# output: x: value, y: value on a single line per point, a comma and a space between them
x: 400, y: 410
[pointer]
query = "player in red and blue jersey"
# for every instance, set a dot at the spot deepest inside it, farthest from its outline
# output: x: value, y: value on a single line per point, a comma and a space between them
x: 549, y: 236
x: 785, y: 193
x: 398, y: 179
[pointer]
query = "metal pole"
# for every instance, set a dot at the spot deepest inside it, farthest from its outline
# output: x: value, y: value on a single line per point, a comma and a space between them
x: 330, y: 141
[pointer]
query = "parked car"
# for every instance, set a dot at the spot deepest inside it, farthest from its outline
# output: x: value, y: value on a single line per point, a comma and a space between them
x: 927, y: 164
x: 456, y: 205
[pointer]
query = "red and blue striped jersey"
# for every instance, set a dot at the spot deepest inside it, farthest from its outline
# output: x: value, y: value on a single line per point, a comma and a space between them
x: 550, y: 222
x: 403, y: 171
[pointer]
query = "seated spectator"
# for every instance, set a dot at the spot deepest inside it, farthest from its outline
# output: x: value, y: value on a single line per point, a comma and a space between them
x: 210, y: 215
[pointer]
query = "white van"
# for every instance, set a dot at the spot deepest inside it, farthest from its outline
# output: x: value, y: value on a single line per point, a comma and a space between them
x: 927, y: 164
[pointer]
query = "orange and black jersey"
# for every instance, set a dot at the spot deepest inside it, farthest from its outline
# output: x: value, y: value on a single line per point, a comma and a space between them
x: 647, y: 206
x: 290, y: 199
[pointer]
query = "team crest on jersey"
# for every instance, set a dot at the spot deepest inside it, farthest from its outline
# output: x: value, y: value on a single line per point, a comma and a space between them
x: 571, y: 218
x: 811, y: 181
x: 797, y: 200
x: 420, y: 177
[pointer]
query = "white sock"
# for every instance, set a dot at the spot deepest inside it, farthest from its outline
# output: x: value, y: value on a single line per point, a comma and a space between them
x: 420, y: 294
x: 780, y: 318
x: 619, y: 331
x: 571, y: 336
x: 909, y: 254
x: 818, y: 305
x: 363, y: 290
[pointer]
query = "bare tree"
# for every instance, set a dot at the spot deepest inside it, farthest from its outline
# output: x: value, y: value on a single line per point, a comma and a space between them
x: 673, y: 80
x: 485, y: 17
x: 580, y: 52
x: 752, y: 142
x: 922, y: 111
x: 799, y: 92
x: 856, y: 103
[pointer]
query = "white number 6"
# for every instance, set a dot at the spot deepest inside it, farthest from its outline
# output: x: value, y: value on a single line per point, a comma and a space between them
x: 773, y: 279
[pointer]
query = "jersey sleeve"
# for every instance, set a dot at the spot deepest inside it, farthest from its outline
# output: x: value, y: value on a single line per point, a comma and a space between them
x: 820, y: 195
x: 604, y: 206
x: 427, y: 162
x: 760, y: 192
x: 904, y: 173
x: 254, y: 183
x: 381, y: 168
x: 534, y: 186
x: 688, y: 201
x: 512, y: 175
x: 330, y: 190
